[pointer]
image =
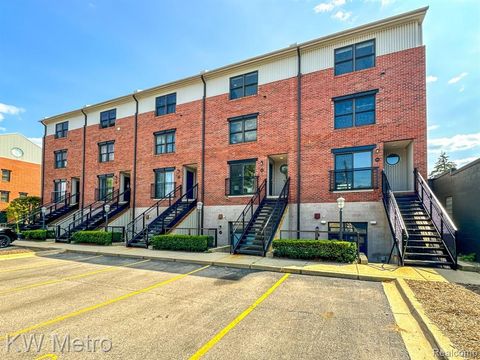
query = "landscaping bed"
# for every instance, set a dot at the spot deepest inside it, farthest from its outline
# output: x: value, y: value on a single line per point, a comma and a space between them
x: 455, y: 310
x: 96, y: 237
x: 332, y: 250
x: 197, y: 243
x: 40, y: 235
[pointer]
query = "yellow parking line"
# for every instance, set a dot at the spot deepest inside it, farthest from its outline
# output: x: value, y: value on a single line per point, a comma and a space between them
x: 16, y: 256
x: 99, y: 305
x: 73, y: 277
x: 49, y: 264
x: 205, y: 348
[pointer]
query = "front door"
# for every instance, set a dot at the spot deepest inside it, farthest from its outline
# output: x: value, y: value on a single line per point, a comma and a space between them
x: 105, y: 187
x: 190, y: 182
x: 75, y: 191
x: 126, y: 188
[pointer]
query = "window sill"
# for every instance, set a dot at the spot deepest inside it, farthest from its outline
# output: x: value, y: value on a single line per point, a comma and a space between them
x: 243, y: 97
x: 353, y: 72
x: 354, y: 126
x: 162, y: 115
x: 239, y: 196
x: 352, y: 190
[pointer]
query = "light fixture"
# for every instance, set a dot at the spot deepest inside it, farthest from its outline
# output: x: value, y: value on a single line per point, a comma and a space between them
x: 44, y: 210
x: 107, y: 208
x: 341, y: 202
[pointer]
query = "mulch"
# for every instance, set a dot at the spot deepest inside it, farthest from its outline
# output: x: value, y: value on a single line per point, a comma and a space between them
x: 455, y: 310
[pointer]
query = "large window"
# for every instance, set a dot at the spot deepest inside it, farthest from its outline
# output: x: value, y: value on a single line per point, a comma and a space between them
x: 354, y: 110
x: 353, y: 169
x: 166, y: 104
x: 164, y: 142
x: 349, y: 233
x: 164, y: 182
x: 105, y: 187
x: 243, y: 85
x: 22, y: 195
x: 4, y: 196
x: 242, y: 179
x: 60, y: 159
x: 355, y: 57
x: 6, y: 175
x: 243, y: 129
x: 106, y: 151
x: 59, y: 190
x: 107, y: 118
x: 61, y: 130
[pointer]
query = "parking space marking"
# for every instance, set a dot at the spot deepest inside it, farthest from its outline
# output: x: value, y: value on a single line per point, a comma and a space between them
x: 99, y: 305
x: 205, y: 348
x: 48, y: 264
x: 73, y: 277
x: 16, y: 256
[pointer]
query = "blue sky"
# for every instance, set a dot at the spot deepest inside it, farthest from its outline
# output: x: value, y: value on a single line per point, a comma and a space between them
x: 56, y: 56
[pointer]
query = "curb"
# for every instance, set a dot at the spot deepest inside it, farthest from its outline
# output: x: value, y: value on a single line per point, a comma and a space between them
x: 440, y: 343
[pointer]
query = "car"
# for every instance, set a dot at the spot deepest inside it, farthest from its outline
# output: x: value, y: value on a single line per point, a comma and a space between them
x: 7, y: 236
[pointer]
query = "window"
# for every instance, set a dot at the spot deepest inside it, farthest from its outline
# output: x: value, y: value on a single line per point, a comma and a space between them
x: 242, y: 177
x: 164, y: 142
x: 4, y: 196
x: 243, y: 85
x: 355, y: 57
x: 106, y: 151
x: 348, y: 229
x: 107, y: 118
x: 165, y: 104
x: 164, y: 182
x: 61, y: 130
x: 59, y: 190
x: 6, y: 175
x: 105, y: 186
x: 60, y: 159
x: 449, y: 206
x: 393, y: 159
x: 243, y: 129
x: 354, y: 110
x: 22, y: 195
x: 353, y: 169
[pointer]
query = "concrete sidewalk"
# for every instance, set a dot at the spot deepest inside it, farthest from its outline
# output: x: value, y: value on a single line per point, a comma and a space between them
x: 369, y: 272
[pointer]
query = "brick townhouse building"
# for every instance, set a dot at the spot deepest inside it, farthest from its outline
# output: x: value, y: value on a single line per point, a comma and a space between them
x: 330, y: 116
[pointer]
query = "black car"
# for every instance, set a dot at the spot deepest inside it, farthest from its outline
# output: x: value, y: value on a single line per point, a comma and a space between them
x: 6, y: 237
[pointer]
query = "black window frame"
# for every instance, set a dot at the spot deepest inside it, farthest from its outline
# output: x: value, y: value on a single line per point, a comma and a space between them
x: 349, y: 227
x: 7, y: 178
x: 241, y: 183
x: 166, y: 144
x: 108, y: 118
x: 61, y: 130
x: 105, y: 186
x: 60, y: 159
x: 350, y: 173
x: 354, y: 98
x: 4, y: 193
x: 163, y: 188
x: 243, y: 86
x: 108, y: 155
x: 165, y: 102
x: 354, y: 59
x: 242, y: 120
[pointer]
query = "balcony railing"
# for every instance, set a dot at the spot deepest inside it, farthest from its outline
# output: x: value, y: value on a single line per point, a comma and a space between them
x: 104, y: 194
x: 161, y: 190
x: 353, y: 179
x: 241, y: 185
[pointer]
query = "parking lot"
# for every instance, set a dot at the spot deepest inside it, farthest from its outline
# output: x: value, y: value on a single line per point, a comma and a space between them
x: 68, y: 305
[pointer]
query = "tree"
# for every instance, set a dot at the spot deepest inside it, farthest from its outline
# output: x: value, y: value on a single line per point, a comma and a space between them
x: 19, y: 208
x: 442, y: 165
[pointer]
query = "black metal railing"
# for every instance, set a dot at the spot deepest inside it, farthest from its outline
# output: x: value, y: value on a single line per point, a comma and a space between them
x: 161, y: 190
x: 106, y: 193
x: 213, y: 232
x: 354, y: 179
x: 240, y: 225
x: 118, y: 233
x: 58, y: 196
x: 395, y: 221
x: 270, y: 227
x: 241, y: 186
x: 439, y: 216
x: 137, y: 227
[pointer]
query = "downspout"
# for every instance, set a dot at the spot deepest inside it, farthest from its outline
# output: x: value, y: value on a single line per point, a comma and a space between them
x: 202, y: 185
x: 299, y: 133
x: 135, y: 133
x: 82, y: 196
x: 42, y: 191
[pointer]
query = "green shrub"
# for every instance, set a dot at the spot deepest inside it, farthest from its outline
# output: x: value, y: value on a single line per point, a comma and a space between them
x: 181, y: 242
x: 340, y: 251
x: 116, y: 236
x: 98, y: 237
x: 38, y: 234
x: 467, y: 257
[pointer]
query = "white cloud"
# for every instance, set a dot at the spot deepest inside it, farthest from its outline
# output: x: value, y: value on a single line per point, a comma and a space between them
x: 431, y: 78
x: 456, y: 79
x: 328, y: 6
x: 3, y: 129
x: 342, y: 15
x: 455, y: 143
x: 9, y: 110
x: 35, y: 140
x: 383, y: 3
x: 462, y: 88
x: 432, y: 127
x: 465, y: 161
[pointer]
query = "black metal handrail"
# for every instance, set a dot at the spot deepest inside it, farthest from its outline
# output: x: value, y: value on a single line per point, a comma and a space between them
x: 228, y: 186
x: 268, y: 230
x: 348, y: 177
x: 395, y: 220
x: 439, y: 216
x: 103, y: 193
x: 190, y: 196
x: 138, y: 225
x: 154, y: 194
x: 247, y: 214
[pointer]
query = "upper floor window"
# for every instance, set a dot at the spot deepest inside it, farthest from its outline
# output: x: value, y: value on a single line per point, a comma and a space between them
x: 242, y: 179
x: 4, y: 196
x: 105, y: 187
x: 355, y: 57
x: 243, y: 85
x: 164, y: 142
x: 355, y: 110
x: 164, y: 182
x: 107, y: 118
x: 353, y: 169
x: 6, y: 175
x: 243, y: 129
x: 166, y: 104
x: 106, y: 151
x: 61, y: 130
x: 22, y: 195
x: 60, y: 159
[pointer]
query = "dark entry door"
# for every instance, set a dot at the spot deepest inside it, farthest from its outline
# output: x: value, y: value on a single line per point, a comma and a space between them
x: 126, y: 188
x: 189, y: 183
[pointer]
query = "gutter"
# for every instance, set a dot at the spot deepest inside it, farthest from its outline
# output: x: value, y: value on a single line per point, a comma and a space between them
x: 42, y: 192
x: 202, y: 185
x: 83, y: 156
x: 299, y: 134
x: 135, y: 136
